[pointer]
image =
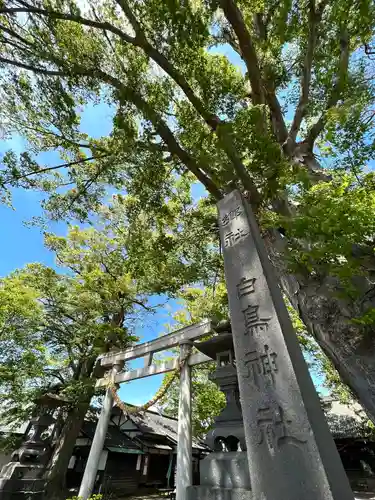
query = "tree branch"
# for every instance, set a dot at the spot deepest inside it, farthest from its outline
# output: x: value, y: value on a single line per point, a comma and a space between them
x: 34, y: 69
x: 228, y: 37
x: 236, y: 20
x: 65, y: 139
x: 313, y: 20
x: 7, y: 41
x: 139, y: 303
x: 56, y: 167
x: 56, y: 373
x: 341, y: 75
x: 14, y: 34
x: 28, y: 9
x: 212, y: 120
x: 168, y: 137
x: 261, y: 91
x: 141, y: 41
x: 161, y: 127
x: 89, y: 182
x: 278, y: 122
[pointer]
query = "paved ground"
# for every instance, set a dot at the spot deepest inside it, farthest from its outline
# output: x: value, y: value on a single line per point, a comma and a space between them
x: 358, y: 496
x: 145, y: 496
x: 142, y: 497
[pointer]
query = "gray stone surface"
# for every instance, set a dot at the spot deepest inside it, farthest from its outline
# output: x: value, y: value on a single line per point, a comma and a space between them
x: 21, y: 478
x: 97, y: 444
x: 210, y: 493
x: 227, y: 432
x: 291, y: 452
x: 184, y: 472
x: 21, y: 489
x: 225, y: 470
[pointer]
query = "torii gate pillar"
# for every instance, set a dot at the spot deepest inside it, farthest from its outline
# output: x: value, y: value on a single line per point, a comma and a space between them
x: 184, y: 476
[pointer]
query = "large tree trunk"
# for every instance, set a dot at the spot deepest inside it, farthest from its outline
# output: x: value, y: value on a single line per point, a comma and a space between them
x: 328, y: 317
x: 55, y: 477
x: 58, y: 465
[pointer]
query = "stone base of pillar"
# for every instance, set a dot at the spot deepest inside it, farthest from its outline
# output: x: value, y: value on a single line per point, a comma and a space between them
x: 225, y: 470
x: 211, y: 493
x: 22, y: 481
x: 21, y: 489
x: 223, y: 476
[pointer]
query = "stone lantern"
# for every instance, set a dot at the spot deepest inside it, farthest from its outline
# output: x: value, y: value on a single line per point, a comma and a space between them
x: 23, y: 475
x: 227, y: 433
x: 224, y: 473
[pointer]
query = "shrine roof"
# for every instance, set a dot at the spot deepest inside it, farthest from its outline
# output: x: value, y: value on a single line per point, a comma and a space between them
x: 114, y: 437
x: 152, y: 423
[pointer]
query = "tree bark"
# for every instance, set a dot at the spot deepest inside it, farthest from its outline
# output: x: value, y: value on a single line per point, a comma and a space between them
x: 55, y: 476
x: 328, y: 318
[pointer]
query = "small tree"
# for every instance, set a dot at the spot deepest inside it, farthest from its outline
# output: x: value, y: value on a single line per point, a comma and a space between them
x: 76, y: 318
x: 54, y: 324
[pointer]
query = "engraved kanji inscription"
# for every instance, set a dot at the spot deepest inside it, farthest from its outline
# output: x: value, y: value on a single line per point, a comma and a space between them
x: 230, y: 216
x: 261, y: 366
x: 245, y: 287
x: 253, y: 323
x: 268, y: 360
x: 273, y: 429
x: 233, y: 237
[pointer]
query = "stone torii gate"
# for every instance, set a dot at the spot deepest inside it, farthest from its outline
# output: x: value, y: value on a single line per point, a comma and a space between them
x: 114, y: 362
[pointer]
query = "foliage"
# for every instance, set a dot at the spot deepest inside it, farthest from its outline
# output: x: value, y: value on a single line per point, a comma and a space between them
x: 338, y: 217
x: 183, y: 110
x: 333, y: 382
x: 54, y: 323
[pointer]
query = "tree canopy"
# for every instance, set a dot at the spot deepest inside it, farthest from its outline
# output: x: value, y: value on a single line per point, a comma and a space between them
x: 291, y: 125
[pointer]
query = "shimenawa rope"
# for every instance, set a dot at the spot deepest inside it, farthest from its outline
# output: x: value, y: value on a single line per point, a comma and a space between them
x: 138, y: 409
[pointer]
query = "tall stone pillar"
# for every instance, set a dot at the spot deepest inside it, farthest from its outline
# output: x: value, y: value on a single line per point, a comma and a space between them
x: 97, y: 444
x: 291, y: 453
x: 184, y: 473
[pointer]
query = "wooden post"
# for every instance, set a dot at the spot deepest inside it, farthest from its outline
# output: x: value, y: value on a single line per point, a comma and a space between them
x: 92, y: 464
x: 184, y: 443
x: 169, y: 472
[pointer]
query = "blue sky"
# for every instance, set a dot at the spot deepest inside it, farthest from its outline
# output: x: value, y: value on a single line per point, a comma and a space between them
x: 23, y: 244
